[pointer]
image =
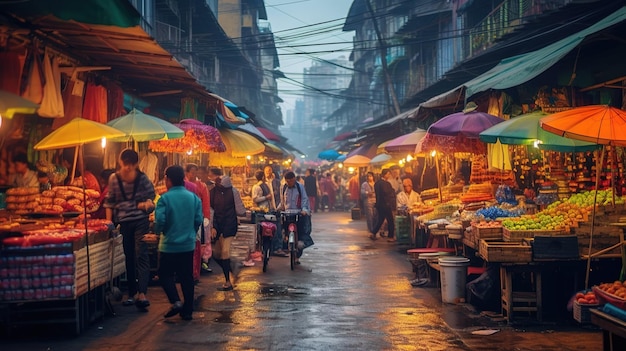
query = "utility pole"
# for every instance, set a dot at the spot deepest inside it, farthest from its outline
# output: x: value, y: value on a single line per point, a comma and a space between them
x: 383, y: 58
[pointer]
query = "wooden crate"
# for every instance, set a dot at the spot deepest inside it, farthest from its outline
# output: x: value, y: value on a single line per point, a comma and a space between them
x: 503, y: 251
x: 520, y: 235
x: 487, y: 233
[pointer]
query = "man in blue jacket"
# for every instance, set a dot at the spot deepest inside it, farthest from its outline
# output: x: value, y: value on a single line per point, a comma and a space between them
x: 178, y: 240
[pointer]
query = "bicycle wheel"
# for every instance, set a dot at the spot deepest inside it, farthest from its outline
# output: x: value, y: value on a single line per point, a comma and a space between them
x: 266, y: 252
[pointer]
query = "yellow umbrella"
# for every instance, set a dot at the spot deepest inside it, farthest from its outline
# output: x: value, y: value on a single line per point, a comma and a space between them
x: 11, y: 104
x: 241, y: 144
x: 77, y: 132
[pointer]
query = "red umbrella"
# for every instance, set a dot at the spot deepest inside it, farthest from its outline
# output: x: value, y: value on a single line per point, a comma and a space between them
x: 268, y: 134
x: 344, y: 136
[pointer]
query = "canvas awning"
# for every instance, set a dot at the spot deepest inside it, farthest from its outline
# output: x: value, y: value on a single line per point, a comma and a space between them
x: 516, y: 70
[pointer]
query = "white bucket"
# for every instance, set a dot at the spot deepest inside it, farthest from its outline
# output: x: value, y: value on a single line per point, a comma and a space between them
x: 453, y: 278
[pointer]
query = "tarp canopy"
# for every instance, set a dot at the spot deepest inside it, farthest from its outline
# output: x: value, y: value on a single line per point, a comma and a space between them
x: 516, y: 70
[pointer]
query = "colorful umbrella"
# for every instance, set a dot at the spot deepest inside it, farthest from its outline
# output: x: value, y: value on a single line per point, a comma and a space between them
x: 361, y: 156
x: 598, y: 124
x: 199, y: 138
x: 525, y: 130
x: 77, y: 132
x: 268, y: 134
x: 380, y: 159
x: 344, y: 136
x: 241, y: 144
x: 458, y: 132
x: 139, y: 126
x: 11, y: 104
x: 329, y: 155
x: 406, y: 143
x: 250, y: 128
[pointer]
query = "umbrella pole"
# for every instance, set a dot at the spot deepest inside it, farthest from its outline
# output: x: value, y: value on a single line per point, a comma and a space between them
x: 593, y: 216
x: 73, y: 170
x: 438, y: 176
x: 82, y: 172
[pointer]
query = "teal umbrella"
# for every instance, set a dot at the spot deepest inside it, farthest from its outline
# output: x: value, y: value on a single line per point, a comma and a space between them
x: 139, y: 126
x: 525, y: 130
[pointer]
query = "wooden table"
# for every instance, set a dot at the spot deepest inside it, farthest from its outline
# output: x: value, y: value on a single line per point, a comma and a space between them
x: 613, y: 330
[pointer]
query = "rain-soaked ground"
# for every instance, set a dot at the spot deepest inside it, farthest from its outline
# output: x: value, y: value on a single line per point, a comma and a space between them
x: 350, y: 293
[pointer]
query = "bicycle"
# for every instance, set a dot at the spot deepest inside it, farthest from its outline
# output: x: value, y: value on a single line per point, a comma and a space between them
x: 290, y: 219
x: 266, y: 229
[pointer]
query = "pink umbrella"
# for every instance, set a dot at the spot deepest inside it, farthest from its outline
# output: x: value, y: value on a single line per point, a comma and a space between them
x: 406, y: 143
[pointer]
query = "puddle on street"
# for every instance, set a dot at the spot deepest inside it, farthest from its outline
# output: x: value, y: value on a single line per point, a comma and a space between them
x: 225, y: 317
x: 274, y: 290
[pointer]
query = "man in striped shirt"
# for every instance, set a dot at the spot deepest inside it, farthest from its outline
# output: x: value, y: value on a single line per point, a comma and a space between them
x: 129, y: 203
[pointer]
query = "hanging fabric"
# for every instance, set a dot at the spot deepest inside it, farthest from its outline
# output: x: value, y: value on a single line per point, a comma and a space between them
x: 11, y: 66
x: 95, y: 105
x: 52, y: 102
x: 115, y: 101
x: 33, y: 86
x: 73, y: 93
x: 498, y: 156
x: 188, y: 108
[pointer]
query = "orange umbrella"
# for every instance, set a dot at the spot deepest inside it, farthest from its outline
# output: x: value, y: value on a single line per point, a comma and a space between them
x: 598, y: 124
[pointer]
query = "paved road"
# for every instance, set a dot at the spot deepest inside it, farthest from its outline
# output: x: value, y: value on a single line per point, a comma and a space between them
x: 350, y: 293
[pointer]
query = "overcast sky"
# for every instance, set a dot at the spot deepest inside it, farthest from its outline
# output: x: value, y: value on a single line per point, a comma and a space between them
x: 306, y: 27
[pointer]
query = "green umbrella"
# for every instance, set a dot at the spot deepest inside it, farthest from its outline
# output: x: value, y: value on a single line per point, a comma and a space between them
x: 139, y: 126
x: 525, y: 130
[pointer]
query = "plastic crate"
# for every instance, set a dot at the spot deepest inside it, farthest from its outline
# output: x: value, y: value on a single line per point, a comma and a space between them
x: 582, y: 313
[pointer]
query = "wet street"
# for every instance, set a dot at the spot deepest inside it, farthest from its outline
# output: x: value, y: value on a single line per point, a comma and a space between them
x: 350, y: 293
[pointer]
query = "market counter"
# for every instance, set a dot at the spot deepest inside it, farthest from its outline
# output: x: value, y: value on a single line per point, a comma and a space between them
x: 613, y: 330
x: 58, y: 283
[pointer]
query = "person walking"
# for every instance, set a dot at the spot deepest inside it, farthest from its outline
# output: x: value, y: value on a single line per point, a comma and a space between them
x: 369, y: 200
x: 227, y: 205
x: 177, y: 240
x: 202, y: 253
x: 385, y: 204
x: 128, y: 204
x: 310, y: 185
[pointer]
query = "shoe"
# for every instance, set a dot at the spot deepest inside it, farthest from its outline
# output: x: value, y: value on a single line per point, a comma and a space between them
x: 280, y: 253
x: 419, y: 282
x: 225, y: 288
x: 205, y: 268
x: 128, y: 302
x: 186, y: 317
x: 174, y: 310
x: 373, y: 237
x: 298, y: 261
x: 391, y: 240
x: 382, y: 234
x: 141, y: 304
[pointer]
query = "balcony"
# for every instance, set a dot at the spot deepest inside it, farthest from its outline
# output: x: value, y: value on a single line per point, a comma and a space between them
x: 505, y: 18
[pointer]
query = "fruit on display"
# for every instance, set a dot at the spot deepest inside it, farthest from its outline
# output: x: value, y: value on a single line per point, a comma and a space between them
x: 586, y: 298
x: 500, y: 212
x: 617, y: 289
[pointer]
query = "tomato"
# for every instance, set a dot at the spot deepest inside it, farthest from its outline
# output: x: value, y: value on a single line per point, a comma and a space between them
x: 583, y: 301
x: 579, y: 295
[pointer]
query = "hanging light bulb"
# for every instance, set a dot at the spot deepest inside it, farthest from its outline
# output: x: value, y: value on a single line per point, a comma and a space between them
x: 189, y: 152
x: 409, y: 158
x: 433, y: 153
x: 536, y: 143
x: 103, y: 142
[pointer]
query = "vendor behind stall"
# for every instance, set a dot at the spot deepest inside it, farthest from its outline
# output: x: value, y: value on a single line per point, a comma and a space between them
x: 407, y: 197
x: 24, y: 176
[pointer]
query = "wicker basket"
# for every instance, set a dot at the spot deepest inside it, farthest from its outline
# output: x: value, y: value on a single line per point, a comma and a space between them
x: 582, y: 313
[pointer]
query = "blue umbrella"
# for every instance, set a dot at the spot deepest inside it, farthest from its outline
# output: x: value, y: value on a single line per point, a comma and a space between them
x: 236, y: 110
x: 329, y: 155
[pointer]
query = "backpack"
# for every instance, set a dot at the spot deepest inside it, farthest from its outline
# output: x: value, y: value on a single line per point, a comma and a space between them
x: 299, y: 202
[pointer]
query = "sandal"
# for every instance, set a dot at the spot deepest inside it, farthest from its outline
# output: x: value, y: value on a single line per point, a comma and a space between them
x: 128, y: 302
x: 225, y: 288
